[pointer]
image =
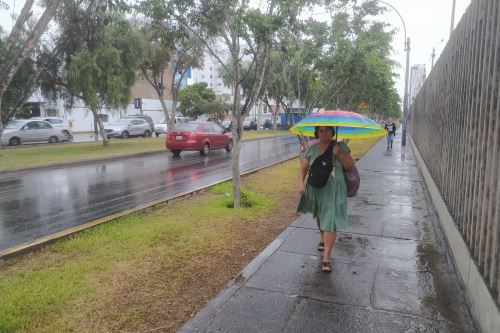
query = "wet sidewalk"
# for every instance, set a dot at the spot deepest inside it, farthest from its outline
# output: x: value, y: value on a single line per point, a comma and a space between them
x: 392, y: 270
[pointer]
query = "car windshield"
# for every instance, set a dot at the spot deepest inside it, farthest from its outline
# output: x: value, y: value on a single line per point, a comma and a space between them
x: 186, y: 127
x: 14, y: 124
x: 162, y: 121
x: 55, y: 121
x: 226, y: 122
x: 120, y: 122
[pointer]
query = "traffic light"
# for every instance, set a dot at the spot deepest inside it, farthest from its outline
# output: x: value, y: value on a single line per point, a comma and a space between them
x: 138, y: 103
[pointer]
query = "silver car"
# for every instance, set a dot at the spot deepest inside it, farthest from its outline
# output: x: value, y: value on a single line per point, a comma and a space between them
x: 30, y: 131
x: 125, y: 128
x: 58, y: 123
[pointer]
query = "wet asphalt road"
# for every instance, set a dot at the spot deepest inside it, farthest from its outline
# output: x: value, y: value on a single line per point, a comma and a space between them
x: 38, y: 203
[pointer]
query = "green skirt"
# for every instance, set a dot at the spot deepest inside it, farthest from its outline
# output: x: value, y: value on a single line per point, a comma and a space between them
x: 328, y: 203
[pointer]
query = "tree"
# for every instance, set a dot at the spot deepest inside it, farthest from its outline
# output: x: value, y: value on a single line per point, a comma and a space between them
x: 248, y: 35
x: 356, y: 65
x: 15, y: 52
x: 99, y: 64
x: 194, y: 99
x: 168, y: 47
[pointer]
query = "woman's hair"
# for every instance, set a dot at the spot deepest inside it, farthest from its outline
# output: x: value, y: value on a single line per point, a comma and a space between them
x: 316, y: 131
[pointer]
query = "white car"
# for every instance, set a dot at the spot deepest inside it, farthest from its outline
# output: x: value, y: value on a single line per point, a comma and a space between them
x: 125, y: 128
x: 30, y: 131
x: 161, y: 127
x: 58, y: 123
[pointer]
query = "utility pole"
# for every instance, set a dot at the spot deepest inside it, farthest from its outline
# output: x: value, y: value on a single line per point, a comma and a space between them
x: 406, y: 97
x: 453, y: 16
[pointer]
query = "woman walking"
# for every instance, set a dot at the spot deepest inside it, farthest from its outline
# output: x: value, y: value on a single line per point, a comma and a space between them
x: 328, y: 202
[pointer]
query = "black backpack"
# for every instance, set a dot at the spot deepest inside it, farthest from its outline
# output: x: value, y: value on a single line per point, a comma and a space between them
x: 320, y: 170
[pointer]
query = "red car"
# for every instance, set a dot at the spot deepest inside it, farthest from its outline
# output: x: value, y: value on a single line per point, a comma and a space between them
x: 201, y: 136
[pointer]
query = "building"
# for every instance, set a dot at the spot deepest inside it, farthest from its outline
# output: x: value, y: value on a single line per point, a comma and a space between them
x: 210, y: 72
x: 417, y: 79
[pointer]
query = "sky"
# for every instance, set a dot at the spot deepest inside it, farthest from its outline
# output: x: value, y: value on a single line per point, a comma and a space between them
x: 427, y: 23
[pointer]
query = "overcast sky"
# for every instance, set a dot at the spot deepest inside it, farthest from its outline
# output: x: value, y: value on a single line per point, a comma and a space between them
x: 427, y: 23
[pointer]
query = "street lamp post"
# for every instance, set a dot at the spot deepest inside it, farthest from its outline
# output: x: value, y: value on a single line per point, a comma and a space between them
x: 453, y: 16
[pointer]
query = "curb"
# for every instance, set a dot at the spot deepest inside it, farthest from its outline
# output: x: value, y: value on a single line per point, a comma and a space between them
x: 210, y: 309
x: 42, y: 241
x: 102, y: 159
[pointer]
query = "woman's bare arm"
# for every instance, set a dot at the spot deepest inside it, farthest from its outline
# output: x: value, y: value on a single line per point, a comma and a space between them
x: 344, y: 158
x: 304, y: 167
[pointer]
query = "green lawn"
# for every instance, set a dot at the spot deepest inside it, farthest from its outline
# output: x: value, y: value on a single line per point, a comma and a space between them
x: 33, y: 156
x: 149, y: 271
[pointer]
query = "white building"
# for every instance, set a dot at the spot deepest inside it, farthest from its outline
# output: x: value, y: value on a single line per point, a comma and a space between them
x: 209, y: 72
x: 417, y: 80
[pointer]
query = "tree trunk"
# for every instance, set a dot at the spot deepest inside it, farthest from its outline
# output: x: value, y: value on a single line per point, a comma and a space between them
x: 1, y: 121
x: 171, y: 125
x: 275, y: 116
x: 237, y: 116
x: 165, y: 110
x: 105, y: 140
x: 259, y: 115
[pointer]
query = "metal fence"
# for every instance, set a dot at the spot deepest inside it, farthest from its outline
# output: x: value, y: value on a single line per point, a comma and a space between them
x: 455, y: 123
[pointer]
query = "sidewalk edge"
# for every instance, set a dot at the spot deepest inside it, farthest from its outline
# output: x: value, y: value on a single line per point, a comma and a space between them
x: 210, y: 310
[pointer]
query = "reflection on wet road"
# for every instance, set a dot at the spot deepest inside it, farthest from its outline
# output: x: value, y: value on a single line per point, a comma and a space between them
x: 38, y: 203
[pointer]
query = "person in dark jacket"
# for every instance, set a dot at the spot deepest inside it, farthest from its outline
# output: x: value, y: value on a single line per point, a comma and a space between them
x: 390, y: 127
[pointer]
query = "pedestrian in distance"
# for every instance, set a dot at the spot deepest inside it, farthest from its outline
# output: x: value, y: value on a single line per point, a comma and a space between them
x: 390, y: 127
x: 325, y: 193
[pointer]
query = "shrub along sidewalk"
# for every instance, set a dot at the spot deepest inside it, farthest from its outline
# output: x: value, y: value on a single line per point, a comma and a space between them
x: 149, y: 271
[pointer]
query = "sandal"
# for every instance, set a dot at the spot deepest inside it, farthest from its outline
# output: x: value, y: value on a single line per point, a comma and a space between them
x: 326, y: 267
x: 321, y: 246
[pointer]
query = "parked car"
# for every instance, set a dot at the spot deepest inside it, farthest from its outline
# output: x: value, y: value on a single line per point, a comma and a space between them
x: 249, y: 125
x: 202, y: 136
x: 58, y: 123
x: 268, y: 124
x: 146, y: 118
x: 30, y: 131
x: 125, y: 128
x: 161, y: 127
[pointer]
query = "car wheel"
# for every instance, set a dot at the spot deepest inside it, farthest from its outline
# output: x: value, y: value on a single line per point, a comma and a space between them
x: 125, y: 135
x: 53, y: 139
x: 176, y: 152
x: 157, y: 134
x: 147, y: 134
x: 14, y: 141
x: 229, y: 147
x: 66, y: 135
x: 206, y: 148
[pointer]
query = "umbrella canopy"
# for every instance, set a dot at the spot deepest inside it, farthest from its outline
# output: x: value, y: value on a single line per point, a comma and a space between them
x: 349, y: 125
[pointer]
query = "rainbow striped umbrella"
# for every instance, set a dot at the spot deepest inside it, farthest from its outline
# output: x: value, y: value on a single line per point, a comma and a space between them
x: 349, y: 125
